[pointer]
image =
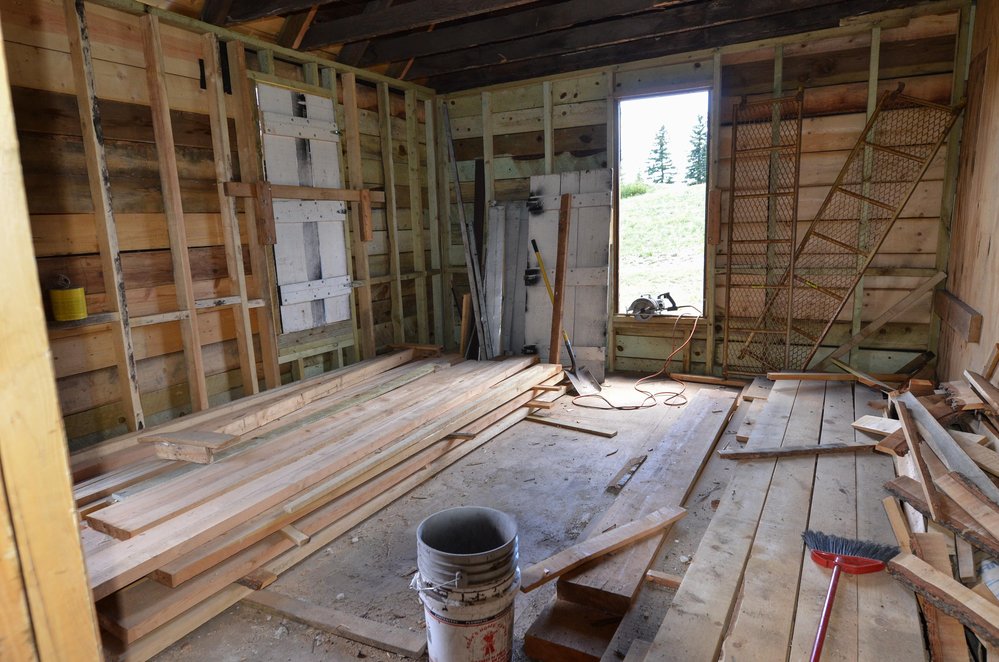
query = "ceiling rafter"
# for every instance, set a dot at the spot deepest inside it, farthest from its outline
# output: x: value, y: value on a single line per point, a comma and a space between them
x: 400, y: 18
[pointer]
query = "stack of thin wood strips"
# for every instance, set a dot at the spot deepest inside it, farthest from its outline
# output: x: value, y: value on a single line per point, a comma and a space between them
x: 182, y: 521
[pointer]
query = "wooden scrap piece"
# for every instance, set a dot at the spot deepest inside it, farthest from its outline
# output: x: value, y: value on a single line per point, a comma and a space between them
x: 965, y: 559
x: 597, y: 546
x: 572, y: 425
x: 666, y: 579
x: 951, y: 516
x: 771, y: 452
x: 984, y: 389
x: 568, y: 631
x: 199, y: 446
x: 866, y: 379
x: 945, y: 633
x: 913, y: 441
x: 965, y: 321
x: 755, y: 408
x: 625, y: 473
x: 986, y: 458
x: 948, y: 450
x: 948, y: 595
x: 758, y: 390
x: 971, y: 500
x: 348, y: 626
x: 961, y: 396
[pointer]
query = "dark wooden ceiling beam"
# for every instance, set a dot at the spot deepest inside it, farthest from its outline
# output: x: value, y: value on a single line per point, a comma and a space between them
x: 295, y: 26
x: 215, y: 11
x: 400, y: 18
x: 668, y: 21
x: 501, y: 28
x: 251, y: 10
x: 352, y: 53
x: 661, y: 45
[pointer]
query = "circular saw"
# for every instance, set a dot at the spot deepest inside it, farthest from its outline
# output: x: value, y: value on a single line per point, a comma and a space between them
x: 645, y: 307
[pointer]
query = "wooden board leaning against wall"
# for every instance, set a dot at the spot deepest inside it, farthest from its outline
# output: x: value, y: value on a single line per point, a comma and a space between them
x: 568, y: 123
x: 63, y: 220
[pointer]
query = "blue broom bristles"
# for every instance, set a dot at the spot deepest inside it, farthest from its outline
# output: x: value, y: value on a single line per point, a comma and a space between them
x: 824, y: 542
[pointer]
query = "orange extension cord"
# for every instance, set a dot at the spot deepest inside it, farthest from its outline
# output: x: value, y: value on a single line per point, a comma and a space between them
x: 672, y: 398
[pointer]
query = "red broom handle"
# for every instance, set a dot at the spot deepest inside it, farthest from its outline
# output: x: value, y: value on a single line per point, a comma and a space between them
x: 820, y: 635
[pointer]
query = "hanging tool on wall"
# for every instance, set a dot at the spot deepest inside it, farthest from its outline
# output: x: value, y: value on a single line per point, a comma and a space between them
x: 581, y: 378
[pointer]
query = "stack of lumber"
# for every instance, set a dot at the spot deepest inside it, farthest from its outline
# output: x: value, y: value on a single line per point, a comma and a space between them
x: 594, y: 596
x: 183, y: 521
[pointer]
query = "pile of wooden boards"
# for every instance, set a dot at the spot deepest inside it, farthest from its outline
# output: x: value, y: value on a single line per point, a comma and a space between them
x: 949, y: 477
x: 183, y: 521
x: 593, y: 599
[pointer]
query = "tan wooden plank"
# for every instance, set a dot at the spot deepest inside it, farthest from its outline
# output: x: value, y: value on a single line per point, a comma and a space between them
x: 948, y: 595
x: 666, y: 579
x: 758, y: 390
x: 16, y: 637
x: 947, y: 640
x: 416, y: 214
x: 964, y: 321
x: 913, y: 441
x: 761, y: 453
x: 971, y: 500
x: 887, y: 614
x: 37, y: 494
x: 230, y: 222
x: 951, y: 517
x: 348, y: 626
x: 984, y: 388
x: 754, y: 409
x: 174, y: 208
x: 391, y: 211
x: 698, y: 618
x: 764, y: 619
x: 600, y: 545
x: 359, y: 249
x: 576, y: 426
x: 248, y: 150
x: 104, y: 223
x: 665, y: 479
x: 106, y: 484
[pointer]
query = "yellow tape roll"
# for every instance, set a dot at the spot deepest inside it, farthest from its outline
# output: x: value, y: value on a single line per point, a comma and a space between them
x: 68, y: 304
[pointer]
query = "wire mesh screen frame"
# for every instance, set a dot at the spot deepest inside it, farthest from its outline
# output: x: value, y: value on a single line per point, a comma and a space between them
x: 880, y: 175
x: 762, y: 219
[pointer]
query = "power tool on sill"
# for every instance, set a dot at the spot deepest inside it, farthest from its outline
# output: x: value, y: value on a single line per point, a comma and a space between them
x: 645, y: 307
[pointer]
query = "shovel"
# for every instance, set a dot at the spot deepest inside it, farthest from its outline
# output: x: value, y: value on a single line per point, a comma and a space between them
x: 580, y: 377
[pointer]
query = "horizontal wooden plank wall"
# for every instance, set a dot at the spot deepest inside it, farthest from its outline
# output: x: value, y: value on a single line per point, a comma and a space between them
x: 62, y: 216
x: 834, y: 72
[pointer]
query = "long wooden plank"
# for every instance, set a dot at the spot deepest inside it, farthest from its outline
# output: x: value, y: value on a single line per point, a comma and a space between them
x: 573, y: 425
x: 948, y: 450
x: 561, y: 267
x: 792, y: 451
x: 261, y: 262
x: 948, y: 595
x: 173, y: 206
x: 965, y: 321
x: 947, y: 642
x: 951, y: 515
x: 106, y: 484
x: 416, y: 215
x: 871, y: 327
x: 130, y: 559
x: 358, y: 247
x: 833, y: 511
x: 913, y: 441
x: 38, y: 528
x: 666, y: 478
x: 764, y: 619
x: 887, y: 614
x: 342, y: 624
x: 698, y: 617
x: 391, y: 210
x: 971, y: 501
x: 232, y: 241
x: 104, y: 225
x: 597, y: 546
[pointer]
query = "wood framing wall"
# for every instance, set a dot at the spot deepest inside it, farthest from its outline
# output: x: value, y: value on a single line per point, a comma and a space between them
x: 569, y: 123
x: 64, y: 221
x: 974, y: 263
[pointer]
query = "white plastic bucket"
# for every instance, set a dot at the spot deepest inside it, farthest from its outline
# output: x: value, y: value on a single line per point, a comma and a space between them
x: 467, y: 580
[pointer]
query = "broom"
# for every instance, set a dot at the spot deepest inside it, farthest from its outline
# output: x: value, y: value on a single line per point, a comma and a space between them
x: 857, y: 557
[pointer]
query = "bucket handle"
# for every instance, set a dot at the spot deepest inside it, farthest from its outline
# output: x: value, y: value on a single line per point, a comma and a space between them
x: 415, y: 582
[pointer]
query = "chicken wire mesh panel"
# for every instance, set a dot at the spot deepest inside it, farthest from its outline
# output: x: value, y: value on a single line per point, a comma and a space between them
x: 766, y: 149
x: 873, y: 187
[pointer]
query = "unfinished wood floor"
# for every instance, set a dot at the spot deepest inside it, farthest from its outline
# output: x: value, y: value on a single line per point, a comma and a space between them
x: 551, y: 480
